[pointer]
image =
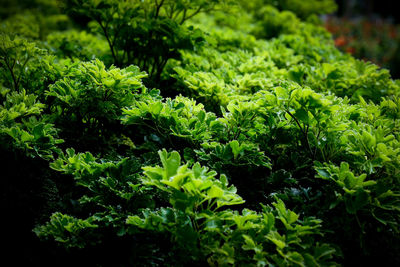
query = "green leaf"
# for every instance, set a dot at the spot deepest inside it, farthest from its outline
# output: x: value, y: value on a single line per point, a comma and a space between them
x: 170, y: 162
x: 277, y: 239
x: 302, y: 115
x: 215, y: 192
x: 235, y: 148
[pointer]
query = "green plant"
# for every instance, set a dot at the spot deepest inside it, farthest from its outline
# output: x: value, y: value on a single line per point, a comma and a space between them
x: 23, y: 128
x: 196, y: 220
x: 18, y: 58
x: 304, y: 9
x: 144, y: 33
x: 79, y: 45
x: 89, y: 99
x: 260, y: 145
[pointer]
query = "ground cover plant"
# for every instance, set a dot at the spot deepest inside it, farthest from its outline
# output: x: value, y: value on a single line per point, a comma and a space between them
x: 203, y: 133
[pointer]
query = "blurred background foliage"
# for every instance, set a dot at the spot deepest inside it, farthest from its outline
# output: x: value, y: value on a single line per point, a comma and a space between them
x: 369, y: 30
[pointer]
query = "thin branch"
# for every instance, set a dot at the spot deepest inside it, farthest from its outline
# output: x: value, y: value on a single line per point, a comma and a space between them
x: 303, y: 131
x: 12, y: 73
x: 172, y: 10
x: 317, y: 141
x: 197, y: 11
x: 174, y: 17
x: 183, y: 16
x: 110, y: 44
x: 158, y: 8
x: 22, y: 69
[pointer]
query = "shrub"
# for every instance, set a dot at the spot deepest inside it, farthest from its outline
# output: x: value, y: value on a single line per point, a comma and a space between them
x: 261, y: 143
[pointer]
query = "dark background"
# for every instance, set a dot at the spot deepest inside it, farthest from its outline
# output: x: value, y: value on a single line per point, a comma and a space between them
x: 385, y: 9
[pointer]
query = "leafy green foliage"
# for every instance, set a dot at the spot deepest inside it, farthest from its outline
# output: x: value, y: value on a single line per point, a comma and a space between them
x: 20, y: 127
x: 79, y: 45
x: 216, y: 139
x: 91, y: 97
x: 112, y: 189
x: 144, y: 33
x: 224, y: 236
x: 72, y: 230
x: 198, y: 185
x: 261, y: 143
x: 232, y: 153
x: 16, y: 56
x: 355, y: 79
x: 274, y: 22
x: 180, y: 117
x: 33, y: 25
x: 305, y: 8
